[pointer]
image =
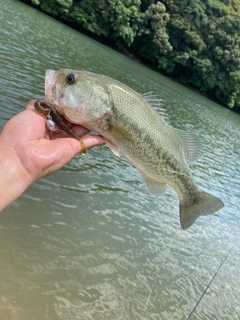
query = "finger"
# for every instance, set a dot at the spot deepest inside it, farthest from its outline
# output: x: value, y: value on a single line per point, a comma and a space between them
x: 79, y: 130
x: 72, y: 147
x: 30, y: 104
x: 92, y: 140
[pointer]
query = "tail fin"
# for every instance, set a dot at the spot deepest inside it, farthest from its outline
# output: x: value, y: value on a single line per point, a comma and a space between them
x: 204, y: 205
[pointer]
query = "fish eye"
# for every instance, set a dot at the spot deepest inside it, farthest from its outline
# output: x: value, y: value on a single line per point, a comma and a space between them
x: 70, y: 78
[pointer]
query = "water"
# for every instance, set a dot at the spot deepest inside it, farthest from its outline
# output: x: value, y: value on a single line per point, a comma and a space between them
x: 89, y: 242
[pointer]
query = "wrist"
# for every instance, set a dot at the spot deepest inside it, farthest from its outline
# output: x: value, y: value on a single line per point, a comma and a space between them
x: 14, y: 179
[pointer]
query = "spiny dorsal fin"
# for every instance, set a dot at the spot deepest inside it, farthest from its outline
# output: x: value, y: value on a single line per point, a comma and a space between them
x: 191, y: 144
x: 155, y: 102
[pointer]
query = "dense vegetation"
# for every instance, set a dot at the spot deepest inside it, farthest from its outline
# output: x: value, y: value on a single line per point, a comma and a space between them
x: 197, y: 42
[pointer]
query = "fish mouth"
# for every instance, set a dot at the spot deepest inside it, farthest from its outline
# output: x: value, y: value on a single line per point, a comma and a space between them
x: 52, y: 88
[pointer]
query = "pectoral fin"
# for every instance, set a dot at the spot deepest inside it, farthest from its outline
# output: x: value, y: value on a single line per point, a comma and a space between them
x: 112, y: 147
x: 156, y: 188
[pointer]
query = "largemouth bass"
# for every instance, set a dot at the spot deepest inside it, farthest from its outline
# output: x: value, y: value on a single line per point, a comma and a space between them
x: 132, y: 127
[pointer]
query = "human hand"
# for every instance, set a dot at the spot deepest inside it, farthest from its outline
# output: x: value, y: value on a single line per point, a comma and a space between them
x: 28, y: 155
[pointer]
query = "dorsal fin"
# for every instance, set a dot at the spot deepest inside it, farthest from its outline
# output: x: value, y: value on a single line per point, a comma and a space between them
x: 155, y: 102
x: 191, y: 144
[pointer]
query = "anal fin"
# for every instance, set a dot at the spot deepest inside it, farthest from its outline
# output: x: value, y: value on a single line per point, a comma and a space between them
x: 156, y: 188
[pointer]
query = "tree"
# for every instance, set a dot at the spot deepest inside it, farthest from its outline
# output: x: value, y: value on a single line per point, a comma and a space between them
x: 197, y: 42
x: 152, y: 39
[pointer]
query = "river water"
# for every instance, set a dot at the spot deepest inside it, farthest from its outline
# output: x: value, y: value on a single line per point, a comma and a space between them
x: 89, y: 242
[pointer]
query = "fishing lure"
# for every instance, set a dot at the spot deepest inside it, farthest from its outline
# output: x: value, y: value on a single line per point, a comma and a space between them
x: 50, y: 124
x: 53, y: 118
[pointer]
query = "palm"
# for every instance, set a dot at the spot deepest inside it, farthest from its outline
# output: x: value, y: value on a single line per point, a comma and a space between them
x: 26, y: 135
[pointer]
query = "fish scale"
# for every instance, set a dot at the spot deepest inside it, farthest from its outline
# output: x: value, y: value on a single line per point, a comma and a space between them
x: 132, y: 127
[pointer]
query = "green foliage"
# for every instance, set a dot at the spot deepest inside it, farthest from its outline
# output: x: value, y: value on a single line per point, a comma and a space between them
x: 56, y: 7
x: 197, y: 42
x: 36, y: 2
x: 205, y: 36
x: 152, y: 40
x: 123, y: 16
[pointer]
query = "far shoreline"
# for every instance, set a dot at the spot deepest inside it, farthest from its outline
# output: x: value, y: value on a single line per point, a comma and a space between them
x: 124, y: 51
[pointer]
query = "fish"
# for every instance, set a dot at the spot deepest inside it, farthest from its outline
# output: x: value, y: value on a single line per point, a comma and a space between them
x: 53, y: 117
x: 132, y: 127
